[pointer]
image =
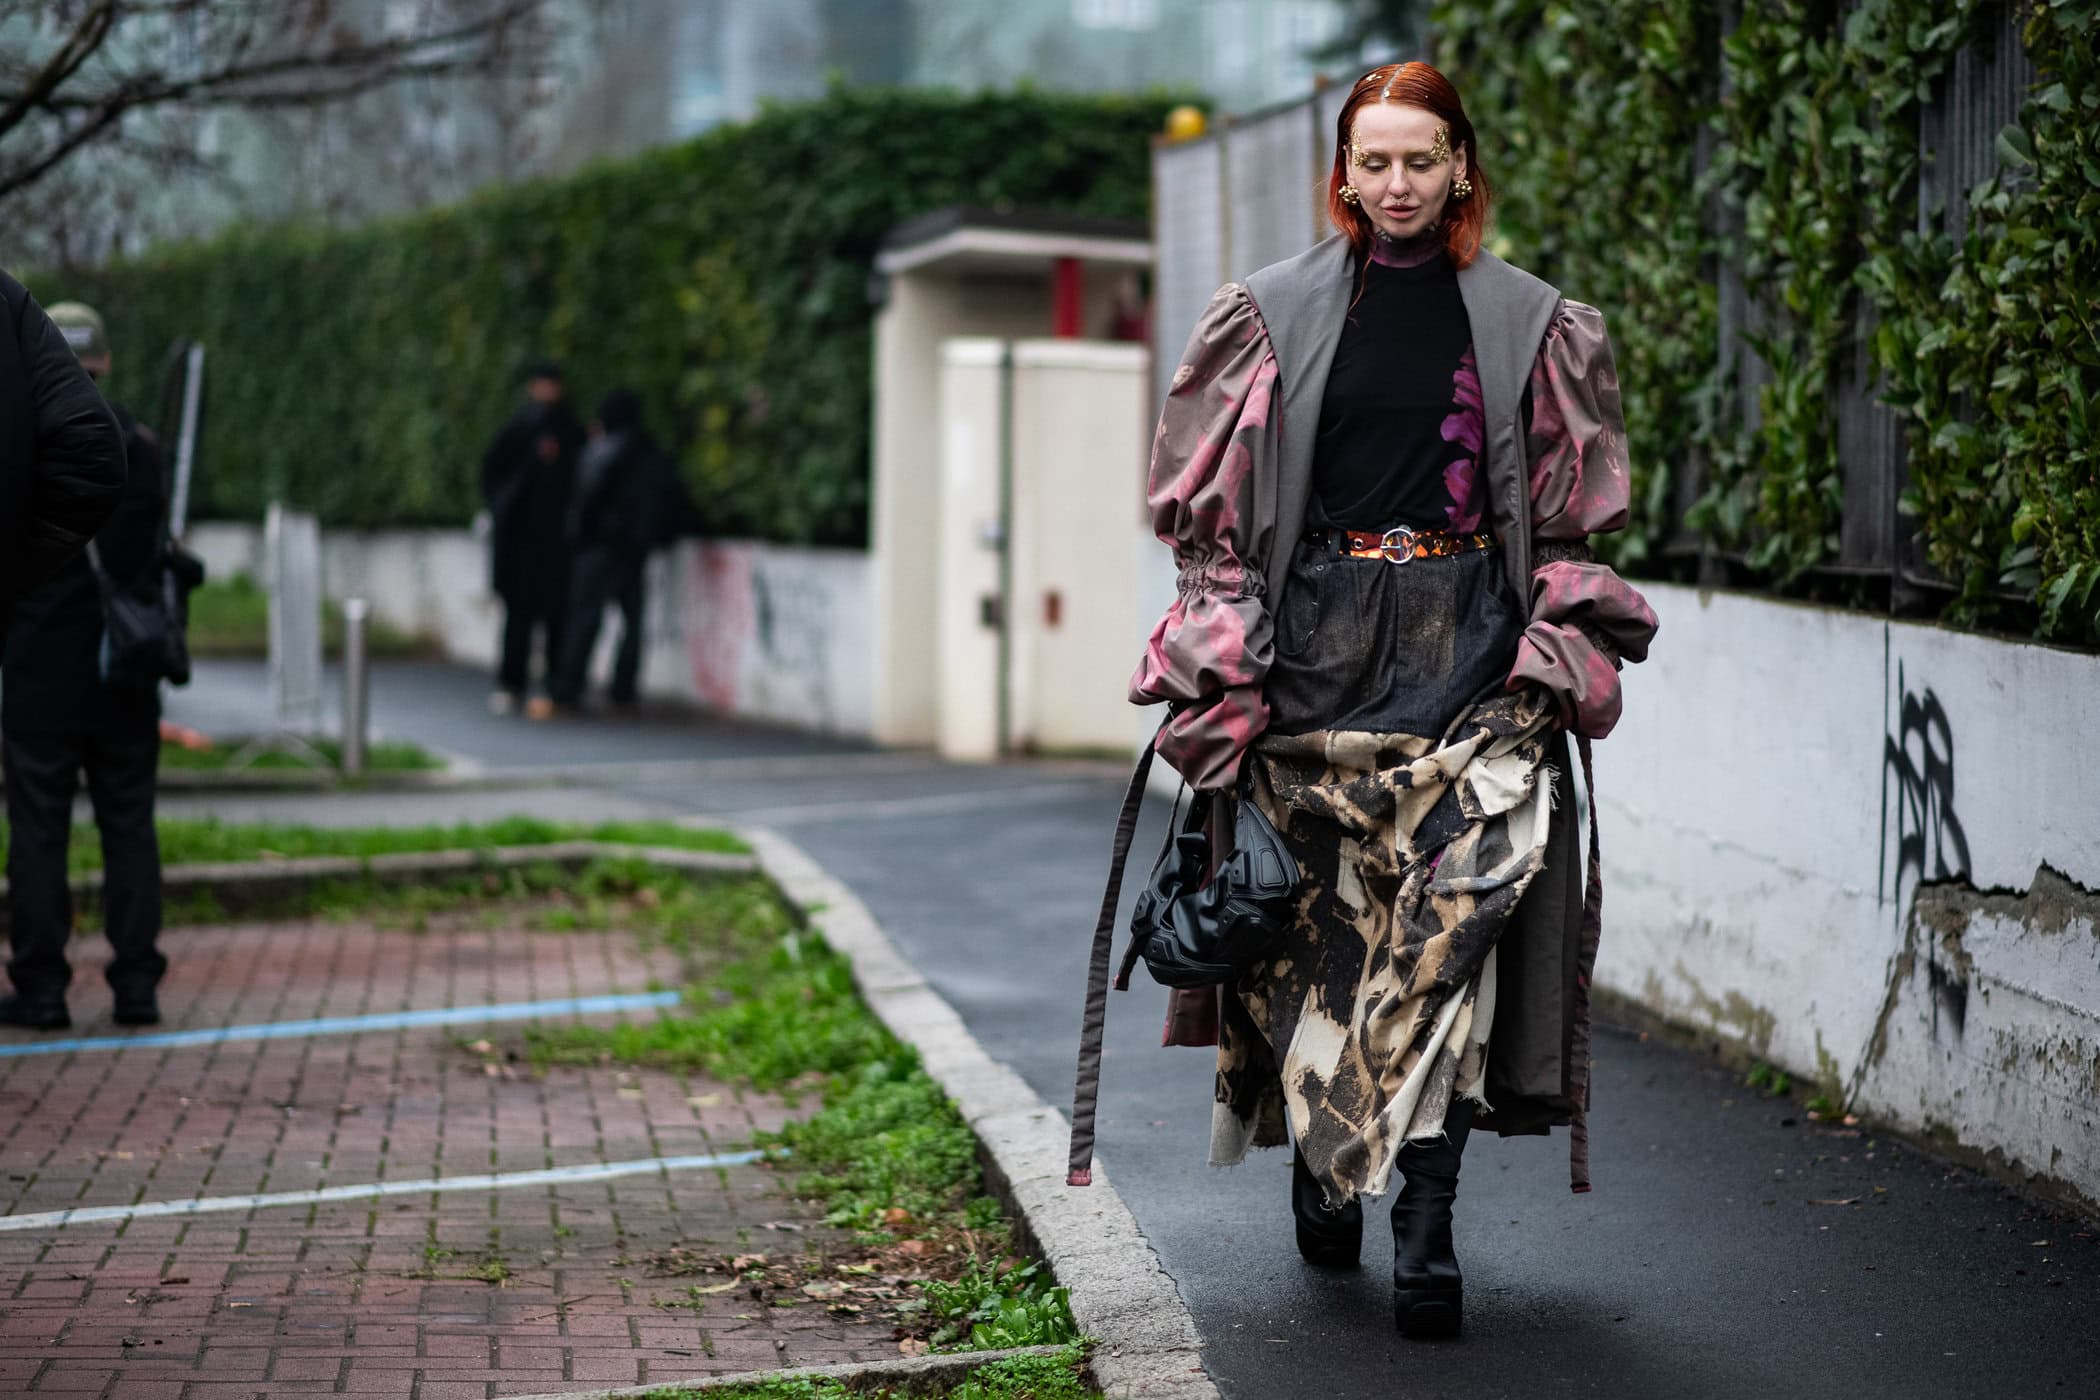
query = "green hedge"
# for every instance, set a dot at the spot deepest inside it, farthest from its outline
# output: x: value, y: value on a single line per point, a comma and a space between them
x: 1593, y: 112
x: 359, y: 374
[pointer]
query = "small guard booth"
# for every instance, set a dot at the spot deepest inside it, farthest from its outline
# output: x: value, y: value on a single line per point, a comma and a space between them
x: 1012, y: 419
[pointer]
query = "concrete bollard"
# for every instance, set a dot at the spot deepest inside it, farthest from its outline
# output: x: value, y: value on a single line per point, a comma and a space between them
x: 357, y: 689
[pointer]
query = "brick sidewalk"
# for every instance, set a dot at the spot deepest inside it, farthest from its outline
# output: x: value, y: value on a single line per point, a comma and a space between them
x: 368, y: 1297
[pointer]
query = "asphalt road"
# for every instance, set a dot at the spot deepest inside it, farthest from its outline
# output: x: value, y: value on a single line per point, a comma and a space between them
x: 1731, y: 1248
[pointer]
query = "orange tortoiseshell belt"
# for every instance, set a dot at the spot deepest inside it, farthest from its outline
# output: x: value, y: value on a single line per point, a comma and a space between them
x: 1402, y: 544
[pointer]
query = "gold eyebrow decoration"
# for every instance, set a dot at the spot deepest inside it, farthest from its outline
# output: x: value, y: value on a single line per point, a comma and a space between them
x: 1356, y: 151
x: 1440, y: 148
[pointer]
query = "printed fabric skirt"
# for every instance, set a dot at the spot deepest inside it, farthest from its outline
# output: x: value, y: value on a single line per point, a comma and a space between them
x: 1412, y: 788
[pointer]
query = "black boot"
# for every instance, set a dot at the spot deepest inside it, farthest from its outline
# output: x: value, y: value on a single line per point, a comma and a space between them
x: 48, y: 1014
x: 1326, y: 1235
x: 1428, y: 1294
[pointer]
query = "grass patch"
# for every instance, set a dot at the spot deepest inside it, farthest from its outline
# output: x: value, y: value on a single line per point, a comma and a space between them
x: 1769, y: 1080
x: 768, y: 1018
x: 1016, y: 1378
x: 185, y: 842
x: 231, y: 617
x: 386, y: 756
x: 886, y: 1156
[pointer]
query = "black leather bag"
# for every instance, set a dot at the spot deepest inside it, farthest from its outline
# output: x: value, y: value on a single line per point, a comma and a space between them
x: 145, y: 625
x: 1190, y: 934
x: 1197, y: 934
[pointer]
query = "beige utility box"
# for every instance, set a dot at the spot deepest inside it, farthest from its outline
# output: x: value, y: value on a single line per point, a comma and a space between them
x: 1009, y: 464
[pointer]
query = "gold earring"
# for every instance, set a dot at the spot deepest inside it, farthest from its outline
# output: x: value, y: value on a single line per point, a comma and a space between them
x: 1349, y: 194
x: 1461, y: 188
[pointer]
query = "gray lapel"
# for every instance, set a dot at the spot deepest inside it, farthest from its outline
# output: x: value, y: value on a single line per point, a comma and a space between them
x: 1302, y: 302
x: 1509, y: 310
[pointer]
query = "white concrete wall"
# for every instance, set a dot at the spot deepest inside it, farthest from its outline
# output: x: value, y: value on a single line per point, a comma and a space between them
x: 1832, y: 838
x: 770, y: 632
x: 758, y: 631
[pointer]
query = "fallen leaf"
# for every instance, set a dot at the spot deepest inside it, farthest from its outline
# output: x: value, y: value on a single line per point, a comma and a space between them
x: 704, y: 1100
x: 717, y: 1288
x: 1847, y: 1201
x: 482, y: 1047
x: 913, y: 1346
x: 172, y: 1279
x: 915, y: 1247
x: 896, y: 1215
x: 745, y: 1261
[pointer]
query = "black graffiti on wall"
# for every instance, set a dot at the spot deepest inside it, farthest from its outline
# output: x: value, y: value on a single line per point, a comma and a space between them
x: 1917, y: 769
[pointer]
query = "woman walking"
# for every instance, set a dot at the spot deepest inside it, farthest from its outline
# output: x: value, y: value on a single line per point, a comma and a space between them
x: 1378, y: 467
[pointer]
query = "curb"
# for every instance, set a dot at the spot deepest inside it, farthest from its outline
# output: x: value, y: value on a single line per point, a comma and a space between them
x: 1146, y: 1342
x: 909, y: 1373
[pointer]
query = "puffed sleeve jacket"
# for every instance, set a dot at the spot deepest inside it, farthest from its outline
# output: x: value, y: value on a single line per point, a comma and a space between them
x: 1230, y: 486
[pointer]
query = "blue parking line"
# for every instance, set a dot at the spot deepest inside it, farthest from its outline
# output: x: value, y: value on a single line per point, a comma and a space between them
x: 351, y: 1025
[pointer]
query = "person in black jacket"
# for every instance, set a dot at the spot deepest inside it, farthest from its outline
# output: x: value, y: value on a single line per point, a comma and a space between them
x: 58, y: 716
x: 527, y: 477
x: 625, y: 506
x: 61, y: 455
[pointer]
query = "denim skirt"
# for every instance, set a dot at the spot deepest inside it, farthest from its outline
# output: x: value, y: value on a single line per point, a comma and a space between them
x: 1377, y: 647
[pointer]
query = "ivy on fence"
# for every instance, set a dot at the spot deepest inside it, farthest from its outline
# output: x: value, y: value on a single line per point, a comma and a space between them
x: 1638, y: 151
x: 360, y: 373
x: 1584, y: 113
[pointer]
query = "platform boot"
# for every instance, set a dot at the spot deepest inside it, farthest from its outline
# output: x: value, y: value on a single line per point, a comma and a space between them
x: 1428, y: 1293
x: 1328, y: 1236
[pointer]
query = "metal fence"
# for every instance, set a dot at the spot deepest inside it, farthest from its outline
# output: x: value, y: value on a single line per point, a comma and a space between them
x: 1979, y: 96
x: 1253, y: 191
x: 1250, y: 193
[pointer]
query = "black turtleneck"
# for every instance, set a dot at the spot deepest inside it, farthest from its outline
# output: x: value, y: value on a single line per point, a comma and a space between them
x: 1400, y: 419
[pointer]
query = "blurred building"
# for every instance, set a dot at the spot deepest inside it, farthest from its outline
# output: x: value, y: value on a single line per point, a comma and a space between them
x: 624, y: 75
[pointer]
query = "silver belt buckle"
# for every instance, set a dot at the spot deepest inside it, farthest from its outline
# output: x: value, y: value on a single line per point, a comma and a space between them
x: 1400, y: 538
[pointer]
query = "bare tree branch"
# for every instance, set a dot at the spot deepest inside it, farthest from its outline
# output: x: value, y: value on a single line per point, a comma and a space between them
x: 308, y: 59
x: 87, y: 36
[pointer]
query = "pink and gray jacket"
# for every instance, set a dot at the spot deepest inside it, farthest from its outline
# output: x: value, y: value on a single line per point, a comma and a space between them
x: 1230, y: 486
x: 1232, y: 475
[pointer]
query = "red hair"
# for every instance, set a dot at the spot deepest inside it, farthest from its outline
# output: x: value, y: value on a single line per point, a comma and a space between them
x: 1412, y: 85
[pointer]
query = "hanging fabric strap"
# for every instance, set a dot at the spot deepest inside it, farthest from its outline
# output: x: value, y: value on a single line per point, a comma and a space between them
x: 1586, y: 963
x: 1086, y: 1090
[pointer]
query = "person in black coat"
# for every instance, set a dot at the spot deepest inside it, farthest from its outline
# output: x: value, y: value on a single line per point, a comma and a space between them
x: 626, y: 505
x: 58, y: 717
x: 61, y: 455
x: 527, y: 479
